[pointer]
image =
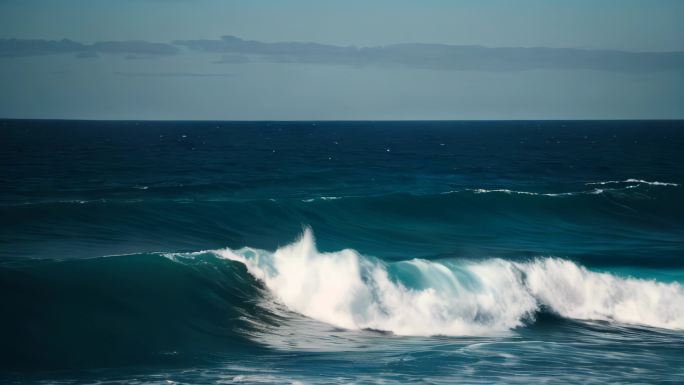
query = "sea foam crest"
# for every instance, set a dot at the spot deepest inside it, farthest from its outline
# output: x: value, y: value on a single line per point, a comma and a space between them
x: 633, y: 180
x: 420, y: 297
x: 595, y: 191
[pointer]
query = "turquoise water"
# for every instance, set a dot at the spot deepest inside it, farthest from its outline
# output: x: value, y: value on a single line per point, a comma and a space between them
x: 342, y: 252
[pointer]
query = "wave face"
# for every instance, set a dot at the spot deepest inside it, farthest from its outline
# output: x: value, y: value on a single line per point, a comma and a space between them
x: 122, y: 310
x: 418, y: 297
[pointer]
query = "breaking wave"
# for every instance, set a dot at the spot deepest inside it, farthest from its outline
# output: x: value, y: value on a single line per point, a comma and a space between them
x: 449, y: 297
x: 183, y: 307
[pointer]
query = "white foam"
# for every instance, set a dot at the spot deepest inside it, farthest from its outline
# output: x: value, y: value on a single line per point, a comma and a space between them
x: 503, y: 190
x: 351, y: 291
x: 507, y: 191
x: 596, y: 191
x: 656, y: 183
x: 330, y: 198
x: 572, y: 291
x: 632, y: 180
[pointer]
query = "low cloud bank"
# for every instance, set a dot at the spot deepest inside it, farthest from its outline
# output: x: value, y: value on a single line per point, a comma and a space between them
x: 37, y: 47
x: 442, y: 56
x: 234, y: 50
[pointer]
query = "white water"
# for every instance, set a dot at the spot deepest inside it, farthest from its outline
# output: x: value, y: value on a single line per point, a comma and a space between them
x: 351, y: 291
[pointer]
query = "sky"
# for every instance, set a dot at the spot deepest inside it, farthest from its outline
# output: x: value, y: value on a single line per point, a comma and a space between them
x: 338, y: 60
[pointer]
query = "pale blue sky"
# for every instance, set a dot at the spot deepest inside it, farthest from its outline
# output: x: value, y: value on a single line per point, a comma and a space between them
x: 195, y: 84
x: 604, y: 24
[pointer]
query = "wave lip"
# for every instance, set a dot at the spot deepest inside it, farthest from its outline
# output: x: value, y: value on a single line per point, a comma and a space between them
x: 449, y: 297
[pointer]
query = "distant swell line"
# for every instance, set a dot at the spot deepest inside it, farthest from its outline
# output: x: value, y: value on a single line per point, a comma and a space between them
x: 627, y: 184
x: 631, y: 180
x: 507, y: 191
x: 595, y: 191
x: 325, y: 198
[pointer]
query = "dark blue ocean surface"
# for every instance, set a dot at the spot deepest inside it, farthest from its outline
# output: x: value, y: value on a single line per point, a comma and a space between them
x: 342, y: 252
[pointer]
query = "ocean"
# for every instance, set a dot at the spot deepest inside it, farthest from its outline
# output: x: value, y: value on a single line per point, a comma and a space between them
x: 341, y: 252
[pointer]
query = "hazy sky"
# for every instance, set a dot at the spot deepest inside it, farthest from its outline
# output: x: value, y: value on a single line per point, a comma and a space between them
x: 195, y: 74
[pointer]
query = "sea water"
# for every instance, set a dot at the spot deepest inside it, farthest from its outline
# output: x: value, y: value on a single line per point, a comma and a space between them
x: 341, y: 252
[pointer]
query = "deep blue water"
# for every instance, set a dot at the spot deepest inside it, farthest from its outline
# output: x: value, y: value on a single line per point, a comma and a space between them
x: 342, y: 252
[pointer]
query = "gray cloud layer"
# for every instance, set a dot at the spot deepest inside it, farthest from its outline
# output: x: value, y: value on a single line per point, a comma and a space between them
x: 441, y: 56
x: 414, y: 55
x: 22, y: 47
x: 175, y: 74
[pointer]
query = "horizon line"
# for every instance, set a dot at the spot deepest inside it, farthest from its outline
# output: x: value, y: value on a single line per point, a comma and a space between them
x: 345, y: 120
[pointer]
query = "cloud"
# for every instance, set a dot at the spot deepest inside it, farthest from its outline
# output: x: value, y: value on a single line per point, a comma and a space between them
x: 134, y: 47
x: 36, y: 47
x: 233, y: 59
x: 234, y: 50
x: 442, y: 56
x: 175, y: 74
x: 20, y: 47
